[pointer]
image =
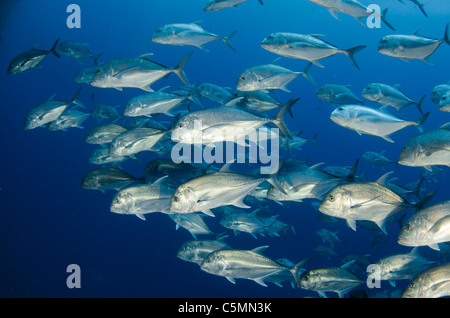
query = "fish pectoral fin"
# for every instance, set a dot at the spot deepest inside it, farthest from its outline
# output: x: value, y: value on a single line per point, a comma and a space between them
x: 351, y: 224
x: 363, y: 203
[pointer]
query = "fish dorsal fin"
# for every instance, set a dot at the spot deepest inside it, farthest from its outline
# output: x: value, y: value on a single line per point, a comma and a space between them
x: 145, y: 56
x: 160, y: 180
x: 226, y: 167
x: 233, y: 102
x: 51, y: 97
x: 260, y: 249
x: 163, y: 89
x: 348, y: 264
x: 415, y: 251
x: 383, y: 179
x: 275, y: 62
x: 445, y: 126
x: 316, y: 166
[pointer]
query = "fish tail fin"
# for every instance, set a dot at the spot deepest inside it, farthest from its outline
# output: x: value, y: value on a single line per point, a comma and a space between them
x: 193, y: 93
x: 419, y: 122
x: 383, y: 18
x: 75, y: 99
x: 313, y: 139
x: 278, y: 119
x: 96, y: 58
x: 425, y: 200
x: 419, y: 104
x: 179, y: 69
x: 352, y: 173
x: 421, y: 5
x: 53, y: 49
x: 307, y: 75
x: 446, y: 35
x: 351, y: 53
x: 228, y: 42
x: 294, y: 269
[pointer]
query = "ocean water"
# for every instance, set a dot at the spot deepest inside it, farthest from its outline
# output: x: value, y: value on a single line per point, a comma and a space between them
x: 48, y: 221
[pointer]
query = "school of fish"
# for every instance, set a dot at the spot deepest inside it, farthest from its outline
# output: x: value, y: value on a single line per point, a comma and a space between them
x: 191, y: 194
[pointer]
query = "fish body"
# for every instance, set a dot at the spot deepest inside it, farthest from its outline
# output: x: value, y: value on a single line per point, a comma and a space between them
x: 217, y: 5
x: 305, y: 47
x: 76, y: 50
x: 337, y: 94
x: 108, y: 178
x: 135, y: 140
x: 195, y: 251
x: 370, y: 121
x: 431, y: 283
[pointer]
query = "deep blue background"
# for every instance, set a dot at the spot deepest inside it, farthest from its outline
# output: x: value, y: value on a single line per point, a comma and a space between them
x: 48, y: 221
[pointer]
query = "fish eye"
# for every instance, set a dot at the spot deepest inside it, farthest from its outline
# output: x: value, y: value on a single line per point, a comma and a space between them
x: 116, y: 201
x: 403, y: 149
x: 340, y: 109
x: 176, y: 199
x: 368, y: 88
x: 331, y: 198
x: 242, y: 78
x: 412, y: 285
x: 407, y: 228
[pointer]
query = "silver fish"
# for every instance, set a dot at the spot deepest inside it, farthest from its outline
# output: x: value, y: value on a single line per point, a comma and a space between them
x: 353, y: 8
x: 429, y: 226
x: 370, y: 121
x: 196, y: 251
x: 439, y: 91
x: 214, y: 92
x: 306, y: 47
x: 48, y: 111
x: 78, y: 51
x: 337, y: 94
x: 30, y: 59
x: 269, y: 76
x: 188, y: 34
x: 107, y: 179
x: 246, y: 264
x: 431, y: 283
x: 217, y: 5
x: 101, y: 156
x: 104, y: 134
x: 359, y: 201
x: 377, y: 159
x: 70, y: 118
x: 427, y: 149
x: 193, y: 223
x: 216, y: 122
x: 400, y: 266
x: 329, y: 279
x: 385, y: 94
x: 143, y: 199
x: 203, y: 193
x: 408, y: 47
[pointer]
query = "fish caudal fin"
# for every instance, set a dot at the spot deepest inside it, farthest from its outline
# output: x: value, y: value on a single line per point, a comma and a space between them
x: 383, y: 18
x: 278, y: 119
x: 419, y: 122
x: 53, y: 49
x: 294, y: 269
x: 351, y: 53
x: 307, y: 75
x: 419, y: 104
x: 96, y: 58
x: 179, y: 69
x: 228, y: 42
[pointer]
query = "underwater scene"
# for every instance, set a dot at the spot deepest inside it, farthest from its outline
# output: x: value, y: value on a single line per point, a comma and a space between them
x: 225, y: 149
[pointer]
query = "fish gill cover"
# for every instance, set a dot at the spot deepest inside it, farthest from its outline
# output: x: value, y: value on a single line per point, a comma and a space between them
x: 129, y: 151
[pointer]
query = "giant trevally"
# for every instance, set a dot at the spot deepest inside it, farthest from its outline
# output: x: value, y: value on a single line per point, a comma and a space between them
x: 428, y: 226
x: 48, y: 111
x: 419, y: 4
x: 444, y: 103
x: 337, y: 94
x: 192, y: 222
x: 247, y: 264
x: 269, y: 76
x: 217, y: 5
x: 104, y: 134
x: 203, y: 193
x: 408, y: 47
x: 431, y: 283
x: 30, y: 59
x: 353, y: 8
x: 159, y: 102
x: 329, y: 279
x: 195, y: 251
x: 370, y: 121
x: 400, y: 266
x: 134, y: 141
x: 78, y: 51
x: 377, y: 158
x: 439, y: 91
x: 107, y: 178
x: 140, y: 72
x: 70, y: 118
x: 385, y: 94
x: 215, y: 92
x: 258, y: 101
x: 101, y: 156
x: 427, y: 149
x: 188, y: 34
x: 211, y: 125
x: 365, y: 201
x: 143, y: 199
x: 306, y: 47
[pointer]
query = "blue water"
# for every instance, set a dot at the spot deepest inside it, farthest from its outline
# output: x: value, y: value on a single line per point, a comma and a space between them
x: 48, y: 221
